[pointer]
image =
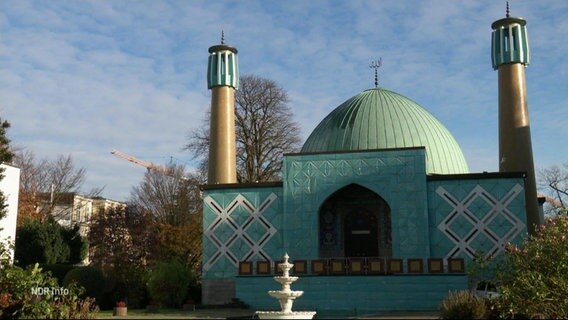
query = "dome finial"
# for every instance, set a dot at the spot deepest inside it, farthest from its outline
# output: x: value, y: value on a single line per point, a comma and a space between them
x: 376, y: 64
x: 508, y: 12
x: 222, y: 36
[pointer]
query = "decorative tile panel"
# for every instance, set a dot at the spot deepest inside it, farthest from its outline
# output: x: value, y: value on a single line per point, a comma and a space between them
x: 238, y: 231
x: 479, y: 221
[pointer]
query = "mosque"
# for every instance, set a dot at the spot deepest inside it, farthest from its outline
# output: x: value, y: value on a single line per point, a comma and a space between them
x: 378, y: 211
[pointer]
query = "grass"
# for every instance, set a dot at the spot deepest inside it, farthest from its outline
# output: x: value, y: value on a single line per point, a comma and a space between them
x: 224, y: 313
x: 178, y: 314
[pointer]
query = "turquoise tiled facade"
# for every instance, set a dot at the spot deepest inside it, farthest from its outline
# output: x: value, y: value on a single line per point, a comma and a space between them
x: 485, y: 214
x: 355, y: 295
x: 398, y: 176
x: 240, y: 224
x: 431, y: 216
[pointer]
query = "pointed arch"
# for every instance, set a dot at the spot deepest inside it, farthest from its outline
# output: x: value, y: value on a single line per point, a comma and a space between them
x: 354, y: 221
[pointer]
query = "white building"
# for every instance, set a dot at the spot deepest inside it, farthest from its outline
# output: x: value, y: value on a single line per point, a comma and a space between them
x: 10, y: 186
x: 70, y: 209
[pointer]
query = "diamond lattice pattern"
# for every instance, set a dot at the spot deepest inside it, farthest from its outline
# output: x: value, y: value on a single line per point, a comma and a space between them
x: 472, y: 226
x: 229, y: 231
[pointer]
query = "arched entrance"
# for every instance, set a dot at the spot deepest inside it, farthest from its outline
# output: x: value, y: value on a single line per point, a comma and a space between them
x: 355, y: 222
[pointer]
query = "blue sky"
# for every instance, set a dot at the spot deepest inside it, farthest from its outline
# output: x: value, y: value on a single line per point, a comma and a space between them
x: 86, y: 77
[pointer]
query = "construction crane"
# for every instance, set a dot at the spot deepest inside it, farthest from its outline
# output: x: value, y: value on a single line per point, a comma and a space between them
x: 146, y: 164
x: 553, y: 202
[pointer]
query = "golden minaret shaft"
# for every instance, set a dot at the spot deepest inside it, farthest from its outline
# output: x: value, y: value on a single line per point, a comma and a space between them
x: 222, y: 79
x: 510, y: 56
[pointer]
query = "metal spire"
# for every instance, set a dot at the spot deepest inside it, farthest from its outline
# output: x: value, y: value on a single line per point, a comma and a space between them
x: 376, y: 64
x: 508, y: 12
x: 223, y: 36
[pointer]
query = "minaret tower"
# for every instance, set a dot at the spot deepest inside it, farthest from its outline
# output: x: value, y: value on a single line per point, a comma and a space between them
x: 510, y: 55
x: 223, y: 80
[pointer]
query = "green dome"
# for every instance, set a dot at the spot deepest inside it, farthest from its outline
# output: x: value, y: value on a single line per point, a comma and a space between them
x: 382, y: 119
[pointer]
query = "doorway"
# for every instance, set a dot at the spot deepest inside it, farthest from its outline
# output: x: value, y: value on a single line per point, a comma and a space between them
x: 360, y: 232
x: 355, y: 222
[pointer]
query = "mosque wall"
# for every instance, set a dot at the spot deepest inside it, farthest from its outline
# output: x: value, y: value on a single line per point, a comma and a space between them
x: 396, y: 175
x: 261, y: 223
x: 240, y: 224
x: 355, y: 295
x: 475, y: 213
x: 432, y: 216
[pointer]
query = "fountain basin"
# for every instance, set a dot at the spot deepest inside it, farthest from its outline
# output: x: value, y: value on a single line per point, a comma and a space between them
x: 285, y: 297
x: 279, y: 294
x: 286, y: 281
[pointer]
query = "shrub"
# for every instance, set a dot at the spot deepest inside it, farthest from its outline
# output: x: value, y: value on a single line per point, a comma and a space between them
x: 48, y: 243
x: 133, y: 289
x: 168, y: 283
x: 128, y: 284
x: 38, y: 242
x: 59, y: 271
x: 33, y: 294
x: 462, y: 305
x: 89, y: 278
x: 533, y: 281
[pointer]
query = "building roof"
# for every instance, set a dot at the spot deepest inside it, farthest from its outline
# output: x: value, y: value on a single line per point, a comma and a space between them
x: 381, y: 119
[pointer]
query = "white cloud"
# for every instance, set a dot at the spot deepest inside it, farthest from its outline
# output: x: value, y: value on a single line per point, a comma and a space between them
x: 85, y: 77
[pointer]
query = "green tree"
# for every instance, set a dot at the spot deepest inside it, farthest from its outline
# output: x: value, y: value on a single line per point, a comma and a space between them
x: 168, y: 283
x: 49, y: 243
x: 77, y: 244
x: 5, y: 157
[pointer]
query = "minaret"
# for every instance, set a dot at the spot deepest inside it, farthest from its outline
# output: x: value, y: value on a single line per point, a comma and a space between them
x: 510, y: 55
x: 223, y: 80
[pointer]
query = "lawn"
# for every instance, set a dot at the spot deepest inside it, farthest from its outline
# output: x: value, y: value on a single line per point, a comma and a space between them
x: 221, y: 313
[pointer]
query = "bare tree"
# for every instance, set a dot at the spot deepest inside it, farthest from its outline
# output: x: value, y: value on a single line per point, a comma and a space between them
x: 45, y: 184
x: 554, y: 181
x: 172, y: 201
x: 170, y: 198
x: 264, y: 127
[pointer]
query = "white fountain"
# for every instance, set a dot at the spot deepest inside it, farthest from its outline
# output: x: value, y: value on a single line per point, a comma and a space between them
x: 285, y: 297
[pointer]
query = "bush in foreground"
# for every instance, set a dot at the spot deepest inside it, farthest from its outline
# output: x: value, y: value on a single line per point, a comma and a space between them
x: 90, y: 278
x: 168, y: 283
x: 33, y: 294
x: 462, y: 305
x: 534, y: 281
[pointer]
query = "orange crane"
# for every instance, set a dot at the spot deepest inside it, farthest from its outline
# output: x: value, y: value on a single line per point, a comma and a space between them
x: 553, y: 202
x: 146, y: 164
